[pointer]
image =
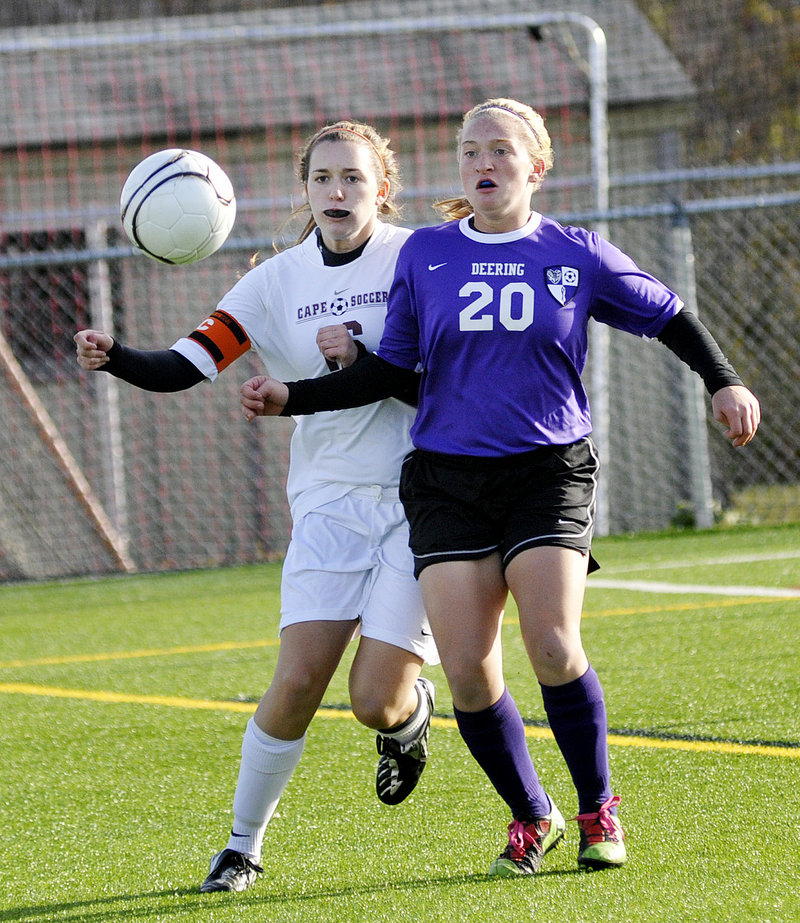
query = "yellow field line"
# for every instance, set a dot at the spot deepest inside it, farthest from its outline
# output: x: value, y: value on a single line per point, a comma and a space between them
x: 704, y: 746
x: 617, y: 740
x: 273, y: 642
x: 658, y: 743
x: 132, y: 655
x: 674, y: 607
x: 685, y: 607
x: 125, y: 698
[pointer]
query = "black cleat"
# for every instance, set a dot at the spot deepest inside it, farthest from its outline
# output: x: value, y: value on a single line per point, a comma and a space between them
x: 230, y: 871
x: 401, y: 765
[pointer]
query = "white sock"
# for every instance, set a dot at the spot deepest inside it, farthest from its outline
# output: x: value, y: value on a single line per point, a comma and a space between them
x: 409, y: 730
x: 266, y: 767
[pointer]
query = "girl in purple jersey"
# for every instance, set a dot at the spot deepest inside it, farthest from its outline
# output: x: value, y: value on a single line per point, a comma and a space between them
x: 493, y: 308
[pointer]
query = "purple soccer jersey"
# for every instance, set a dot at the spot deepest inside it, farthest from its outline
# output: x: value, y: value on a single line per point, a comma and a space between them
x: 498, y: 325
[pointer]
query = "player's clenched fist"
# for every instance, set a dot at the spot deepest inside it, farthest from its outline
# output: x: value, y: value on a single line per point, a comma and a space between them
x: 262, y: 396
x: 737, y: 408
x: 93, y: 347
x: 337, y: 345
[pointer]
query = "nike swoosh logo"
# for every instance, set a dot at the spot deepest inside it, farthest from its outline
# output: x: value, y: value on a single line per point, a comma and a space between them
x: 437, y: 266
x: 341, y: 291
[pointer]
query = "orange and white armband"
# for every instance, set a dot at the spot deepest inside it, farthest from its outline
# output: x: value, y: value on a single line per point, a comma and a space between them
x: 222, y: 338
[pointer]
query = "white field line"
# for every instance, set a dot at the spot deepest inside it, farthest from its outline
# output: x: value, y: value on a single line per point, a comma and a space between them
x: 708, y: 562
x: 653, y: 586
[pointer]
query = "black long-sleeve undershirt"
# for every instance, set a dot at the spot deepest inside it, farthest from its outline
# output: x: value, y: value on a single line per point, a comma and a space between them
x: 373, y: 378
x: 160, y: 370
x: 690, y: 340
x: 366, y: 381
x: 165, y: 370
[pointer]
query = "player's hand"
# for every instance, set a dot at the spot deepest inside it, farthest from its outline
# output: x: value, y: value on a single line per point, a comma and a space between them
x: 93, y: 347
x: 337, y: 345
x: 262, y: 396
x: 737, y: 408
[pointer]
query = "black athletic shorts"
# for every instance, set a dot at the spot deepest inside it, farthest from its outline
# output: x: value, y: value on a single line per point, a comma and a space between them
x: 462, y: 507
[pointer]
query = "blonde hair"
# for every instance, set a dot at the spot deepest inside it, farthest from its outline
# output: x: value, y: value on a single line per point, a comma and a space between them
x: 535, y: 137
x: 384, y: 161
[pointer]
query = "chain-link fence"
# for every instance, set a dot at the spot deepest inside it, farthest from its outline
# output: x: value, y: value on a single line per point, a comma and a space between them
x: 728, y: 241
x: 97, y: 476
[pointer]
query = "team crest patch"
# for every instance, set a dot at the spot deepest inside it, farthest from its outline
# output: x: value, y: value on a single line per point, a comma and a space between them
x: 562, y: 282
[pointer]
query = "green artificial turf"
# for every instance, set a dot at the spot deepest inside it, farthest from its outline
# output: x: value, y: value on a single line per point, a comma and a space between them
x: 124, y: 701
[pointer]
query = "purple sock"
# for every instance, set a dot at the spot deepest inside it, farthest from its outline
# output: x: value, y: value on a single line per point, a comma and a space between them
x: 496, y: 738
x: 577, y: 715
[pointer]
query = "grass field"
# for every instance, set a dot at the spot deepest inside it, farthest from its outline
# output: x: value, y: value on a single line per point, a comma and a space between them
x: 124, y: 701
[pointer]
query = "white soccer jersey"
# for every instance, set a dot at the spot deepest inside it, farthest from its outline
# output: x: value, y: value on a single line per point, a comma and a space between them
x: 280, y: 304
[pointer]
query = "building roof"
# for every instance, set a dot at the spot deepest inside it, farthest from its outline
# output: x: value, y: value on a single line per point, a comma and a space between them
x: 234, y: 72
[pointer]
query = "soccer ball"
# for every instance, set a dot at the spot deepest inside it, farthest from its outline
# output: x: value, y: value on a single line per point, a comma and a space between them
x: 177, y: 206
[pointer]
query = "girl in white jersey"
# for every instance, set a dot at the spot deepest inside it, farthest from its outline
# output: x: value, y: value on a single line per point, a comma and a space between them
x: 348, y: 568
x: 493, y: 306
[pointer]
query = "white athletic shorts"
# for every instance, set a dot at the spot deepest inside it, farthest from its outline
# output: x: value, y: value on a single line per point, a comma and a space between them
x: 349, y: 559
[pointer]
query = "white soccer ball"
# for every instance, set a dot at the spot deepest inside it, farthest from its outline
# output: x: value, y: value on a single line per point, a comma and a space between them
x: 177, y: 206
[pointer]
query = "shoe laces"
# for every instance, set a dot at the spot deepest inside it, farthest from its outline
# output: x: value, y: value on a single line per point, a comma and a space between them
x: 232, y: 859
x: 388, y: 746
x: 392, y: 748
x: 601, y: 826
x: 249, y: 863
x: 520, y: 839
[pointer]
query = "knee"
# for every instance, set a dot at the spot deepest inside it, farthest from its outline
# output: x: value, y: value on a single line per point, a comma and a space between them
x: 557, y: 659
x: 383, y: 689
x: 379, y: 706
x: 474, y: 689
x: 299, y: 689
x: 373, y: 712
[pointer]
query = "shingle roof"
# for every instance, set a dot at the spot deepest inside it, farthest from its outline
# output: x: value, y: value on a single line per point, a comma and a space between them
x: 233, y: 72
